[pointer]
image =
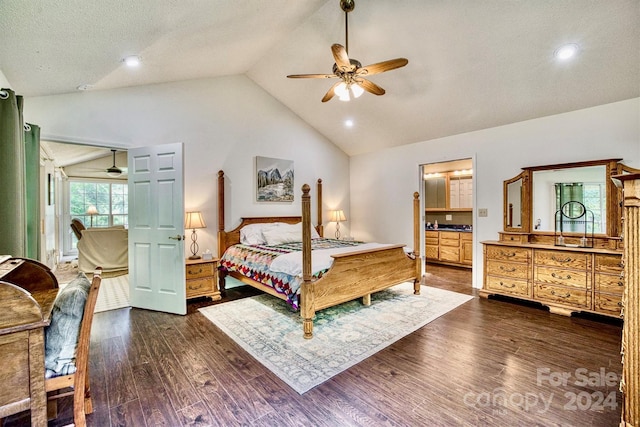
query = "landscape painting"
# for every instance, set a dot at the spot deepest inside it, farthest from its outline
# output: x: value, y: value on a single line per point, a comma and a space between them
x: 274, y: 180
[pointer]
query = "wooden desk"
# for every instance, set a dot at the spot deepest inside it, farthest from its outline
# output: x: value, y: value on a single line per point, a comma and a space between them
x: 27, y: 273
x: 22, y: 321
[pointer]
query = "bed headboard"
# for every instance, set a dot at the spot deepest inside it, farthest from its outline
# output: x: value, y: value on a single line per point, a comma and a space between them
x: 232, y: 237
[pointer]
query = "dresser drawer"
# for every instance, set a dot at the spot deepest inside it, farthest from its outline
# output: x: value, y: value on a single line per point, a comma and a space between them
x: 507, y: 253
x: 608, y: 264
x: 507, y: 285
x: 509, y: 269
x: 197, y: 287
x: 562, y: 277
x: 608, y: 303
x: 564, y: 259
x: 199, y: 270
x: 609, y: 283
x: 569, y: 296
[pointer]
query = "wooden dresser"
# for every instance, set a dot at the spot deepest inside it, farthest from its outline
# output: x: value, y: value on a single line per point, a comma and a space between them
x: 202, y: 278
x: 565, y: 280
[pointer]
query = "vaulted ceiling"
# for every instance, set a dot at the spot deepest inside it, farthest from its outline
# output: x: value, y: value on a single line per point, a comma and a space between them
x: 472, y: 64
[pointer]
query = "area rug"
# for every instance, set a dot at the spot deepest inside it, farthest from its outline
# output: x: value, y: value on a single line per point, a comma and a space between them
x: 113, y: 293
x: 342, y: 336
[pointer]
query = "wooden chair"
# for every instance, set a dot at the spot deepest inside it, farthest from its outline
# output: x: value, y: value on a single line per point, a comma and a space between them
x: 77, y: 226
x: 79, y: 380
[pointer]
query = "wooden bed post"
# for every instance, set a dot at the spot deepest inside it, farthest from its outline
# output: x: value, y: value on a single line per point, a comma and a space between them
x: 320, y: 227
x: 416, y: 242
x: 221, y: 233
x: 307, y: 309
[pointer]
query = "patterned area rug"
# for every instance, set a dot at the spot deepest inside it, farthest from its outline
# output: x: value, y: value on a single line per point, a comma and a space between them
x: 113, y: 294
x: 342, y: 336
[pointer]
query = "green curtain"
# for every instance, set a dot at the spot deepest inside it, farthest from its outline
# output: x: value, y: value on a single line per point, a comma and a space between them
x: 12, y: 176
x: 33, y: 192
x: 569, y: 192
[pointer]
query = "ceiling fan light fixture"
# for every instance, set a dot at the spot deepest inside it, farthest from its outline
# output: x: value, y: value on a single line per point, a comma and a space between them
x: 348, y: 91
x: 114, y: 171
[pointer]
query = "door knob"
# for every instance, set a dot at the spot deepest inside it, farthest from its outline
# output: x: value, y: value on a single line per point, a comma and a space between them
x: 177, y: 237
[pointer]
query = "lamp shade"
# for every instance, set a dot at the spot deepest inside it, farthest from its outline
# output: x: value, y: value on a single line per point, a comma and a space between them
x: 194, y: 220
x: 338, y: 216
x: 92, y: 210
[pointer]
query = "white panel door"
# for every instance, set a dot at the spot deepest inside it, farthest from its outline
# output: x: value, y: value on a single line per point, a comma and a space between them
x: 156, y: 228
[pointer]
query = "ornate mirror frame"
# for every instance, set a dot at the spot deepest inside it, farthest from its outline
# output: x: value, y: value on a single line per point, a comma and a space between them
x: 516, y: 203
x: 609, y: 239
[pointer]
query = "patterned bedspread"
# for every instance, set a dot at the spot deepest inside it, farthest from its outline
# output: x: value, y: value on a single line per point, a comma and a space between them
x: 254, y: 262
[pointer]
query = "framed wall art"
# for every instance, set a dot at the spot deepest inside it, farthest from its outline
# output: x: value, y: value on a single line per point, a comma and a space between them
x: 274, y: 180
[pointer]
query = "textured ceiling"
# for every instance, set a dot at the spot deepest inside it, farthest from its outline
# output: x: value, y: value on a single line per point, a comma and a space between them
x: 472, y: 64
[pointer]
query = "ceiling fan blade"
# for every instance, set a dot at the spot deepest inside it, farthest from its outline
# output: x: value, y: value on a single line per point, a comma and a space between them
x: 341, y: 57
x: 312, y: 76
x: 381, y: 67
x: 370, y: 87
x: 327, y: 96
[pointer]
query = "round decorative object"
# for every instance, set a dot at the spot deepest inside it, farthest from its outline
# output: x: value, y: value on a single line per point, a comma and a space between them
x: 573, y: 210
x: 347, y: 5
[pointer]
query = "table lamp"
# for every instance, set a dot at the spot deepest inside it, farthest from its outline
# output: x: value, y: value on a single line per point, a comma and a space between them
x: 337, y: 216
x: 91, y: 211
x: 194, y: 220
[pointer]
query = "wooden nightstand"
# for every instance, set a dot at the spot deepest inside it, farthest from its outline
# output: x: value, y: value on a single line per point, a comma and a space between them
x: 202, y: 278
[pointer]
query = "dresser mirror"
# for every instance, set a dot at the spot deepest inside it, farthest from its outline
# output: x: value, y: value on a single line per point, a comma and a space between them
x: 516, y: 218
x: 551, y: 189
x: 532, y: 198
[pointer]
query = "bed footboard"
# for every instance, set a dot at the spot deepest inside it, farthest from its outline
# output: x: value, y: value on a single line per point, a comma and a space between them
x: 354, y: 274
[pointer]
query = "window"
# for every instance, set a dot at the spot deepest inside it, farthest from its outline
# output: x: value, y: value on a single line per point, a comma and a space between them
x: 591, y: 195
x: 110, y: 199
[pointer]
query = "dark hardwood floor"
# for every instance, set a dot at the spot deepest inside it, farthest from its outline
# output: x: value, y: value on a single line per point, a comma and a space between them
x: 486, y: 363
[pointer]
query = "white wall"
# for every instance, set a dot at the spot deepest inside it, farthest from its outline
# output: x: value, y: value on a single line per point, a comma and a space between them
x: 382, y: 183
x: 4, y: 83
x: 223, y: 122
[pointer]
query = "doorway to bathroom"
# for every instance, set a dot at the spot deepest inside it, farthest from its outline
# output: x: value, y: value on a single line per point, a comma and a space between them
x: 447, y: 191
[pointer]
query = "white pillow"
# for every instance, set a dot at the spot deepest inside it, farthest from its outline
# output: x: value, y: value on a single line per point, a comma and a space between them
x: 252, y: 234
x: 281, y: 233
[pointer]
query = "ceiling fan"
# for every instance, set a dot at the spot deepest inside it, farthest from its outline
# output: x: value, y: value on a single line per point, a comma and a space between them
x: 114, y: 171
x: 350, y: 71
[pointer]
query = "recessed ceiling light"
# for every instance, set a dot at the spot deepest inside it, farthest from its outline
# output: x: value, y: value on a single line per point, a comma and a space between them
x: 348, y: 123
x: 566, y: 51
x: 84, y: 87
x: 132, y: 61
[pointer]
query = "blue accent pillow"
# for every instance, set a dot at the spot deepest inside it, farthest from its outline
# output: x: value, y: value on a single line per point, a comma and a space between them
x: 61, y: 336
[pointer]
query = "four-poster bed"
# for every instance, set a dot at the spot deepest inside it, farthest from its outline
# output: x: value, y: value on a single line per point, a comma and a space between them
x: 355, y: 274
